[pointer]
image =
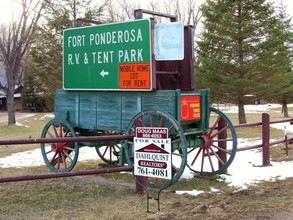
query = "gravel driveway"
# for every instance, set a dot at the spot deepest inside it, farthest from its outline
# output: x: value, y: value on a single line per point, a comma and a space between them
x: 18, y: 115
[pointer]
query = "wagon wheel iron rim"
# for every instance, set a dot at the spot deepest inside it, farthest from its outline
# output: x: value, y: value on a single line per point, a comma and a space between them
x: 59, y: 156
x: 218, y: 149
x: 156, y: 118
x: 109, y: 153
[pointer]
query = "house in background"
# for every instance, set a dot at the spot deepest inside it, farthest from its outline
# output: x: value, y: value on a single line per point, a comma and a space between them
x: 17, y: 99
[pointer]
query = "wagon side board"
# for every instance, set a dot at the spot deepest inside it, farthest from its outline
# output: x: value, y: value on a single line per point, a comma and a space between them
x: 96, y: 110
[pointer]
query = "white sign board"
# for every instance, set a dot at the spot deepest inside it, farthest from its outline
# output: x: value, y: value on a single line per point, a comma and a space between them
x: 152, y: 156
x: 169, y: 41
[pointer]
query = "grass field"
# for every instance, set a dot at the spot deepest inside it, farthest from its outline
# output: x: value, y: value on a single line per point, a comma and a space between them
x: 91, y: 197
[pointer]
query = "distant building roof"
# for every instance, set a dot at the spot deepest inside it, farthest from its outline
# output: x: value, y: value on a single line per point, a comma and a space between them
x: 3, y: 81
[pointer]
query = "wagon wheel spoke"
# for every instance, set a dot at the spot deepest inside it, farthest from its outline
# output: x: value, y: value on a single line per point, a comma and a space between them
x: 196, y: 156
x: 138, y: 123
x: 55, y: 130
x: 174, y: 141
x: 67, y: 156
x: 151, y: 120
x: 58, y: 161
x: 60, y: 156
x: 202, y: 160
x: 216, y: 155
x: 66, y: 132
x: 53, y: 160
x: 49, y: 151
x: 105, y: 151
x: 161, y: 121
x: 110, y: 152
x: 69, y: 149
x: 60, y: 130
x: 210, y: 160
x: 176, y: 154
x: 50, y: 134
x: 63, y: 160
x: 218, y: 149
x: 212, y: 129
x: 219, y: 132
x: 170, y: 128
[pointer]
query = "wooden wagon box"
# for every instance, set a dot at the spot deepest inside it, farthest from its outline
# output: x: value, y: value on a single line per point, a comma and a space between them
x: 98, y: 110
x: 110, y: 110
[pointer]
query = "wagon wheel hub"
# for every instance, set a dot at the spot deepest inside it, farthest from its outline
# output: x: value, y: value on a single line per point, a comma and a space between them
x: 208, y: 141
x: 59, y: 147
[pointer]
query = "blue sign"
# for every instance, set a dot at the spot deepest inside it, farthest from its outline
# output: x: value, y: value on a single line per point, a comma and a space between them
x: 169, y: 41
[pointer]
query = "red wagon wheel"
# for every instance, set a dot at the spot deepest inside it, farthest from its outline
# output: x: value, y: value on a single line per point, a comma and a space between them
x: 217, y: 149
x: 160, y: 119
x: 110, y: 152
x: 59, y: 156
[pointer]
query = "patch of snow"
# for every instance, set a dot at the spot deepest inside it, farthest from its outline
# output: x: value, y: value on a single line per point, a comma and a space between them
x: 261, y: 108
x: 192, y: 192
x: 286, y: 127
x: 246, y: 168
x: 21, y: 125
x: 35, y: 158
x: 244, y: 171
x: 47, y: 116
x: 214, y: 190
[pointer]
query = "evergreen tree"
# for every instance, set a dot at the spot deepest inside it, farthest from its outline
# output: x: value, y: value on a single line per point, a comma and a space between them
x: 236, y: 50
x: 283, y: 90
x: 46, y: 55
x: 31, y: 94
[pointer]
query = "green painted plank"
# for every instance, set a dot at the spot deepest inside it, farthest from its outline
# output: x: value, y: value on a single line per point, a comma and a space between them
x: 97, y: 110
x: 131, y: 105
x: 87, y: 110
x: 160, y: 100
x: 108, y: 111
x: 67, y: 104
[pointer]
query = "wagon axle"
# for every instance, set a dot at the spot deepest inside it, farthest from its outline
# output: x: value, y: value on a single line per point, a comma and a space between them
x: 207, y: 140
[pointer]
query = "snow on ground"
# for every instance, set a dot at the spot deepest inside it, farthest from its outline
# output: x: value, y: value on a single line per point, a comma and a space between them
x: 245, y: 169
x: 35, y: 158
x: 249, y: 108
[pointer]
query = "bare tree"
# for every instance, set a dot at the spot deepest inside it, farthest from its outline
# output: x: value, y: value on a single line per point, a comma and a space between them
x: 14, y: 42
x: 186, y: 11
x: 120, y: 10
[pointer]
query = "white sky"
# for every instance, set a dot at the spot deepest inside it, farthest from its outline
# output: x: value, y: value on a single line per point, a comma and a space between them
x: 8, y: 7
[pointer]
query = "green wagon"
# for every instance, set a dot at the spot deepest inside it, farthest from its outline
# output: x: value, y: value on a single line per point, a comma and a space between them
x: 203, y: 139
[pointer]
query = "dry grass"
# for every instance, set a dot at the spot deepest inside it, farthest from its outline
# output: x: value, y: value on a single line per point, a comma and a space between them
x: 32, y: 128
x: 71, y: 198
x: 92, y: 198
